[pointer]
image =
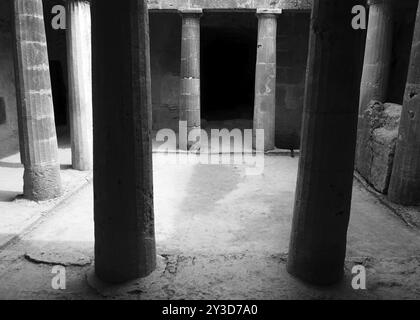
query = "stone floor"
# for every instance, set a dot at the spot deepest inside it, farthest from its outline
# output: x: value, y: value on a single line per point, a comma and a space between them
x: 221, y: 234
x: 18, y: 215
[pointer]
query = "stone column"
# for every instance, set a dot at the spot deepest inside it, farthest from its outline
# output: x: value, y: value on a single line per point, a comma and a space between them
x: 123, y: 185
x: 80, y: 83
x: 190, y: 103
x: 405, y: 179
x: 376, y: 70
x: 325, y: 177
x: 265, y: 76
x: 37, y: 134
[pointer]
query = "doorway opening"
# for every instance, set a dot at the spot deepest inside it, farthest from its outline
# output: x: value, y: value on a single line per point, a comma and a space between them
x: 228, y: 57
x: 59, y: 93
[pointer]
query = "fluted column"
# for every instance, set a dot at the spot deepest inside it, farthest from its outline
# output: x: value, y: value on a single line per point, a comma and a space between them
x: 325, y: 177
x: 80, y: 83
x: 123, y: 182
x: 265, y: 76
x: 190, y: 103
x: 376, y: 70
x: 405, y: 179
x: 37, y: 134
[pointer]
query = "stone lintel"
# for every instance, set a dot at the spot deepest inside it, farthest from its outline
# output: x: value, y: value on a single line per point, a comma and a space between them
x: 269, y: 11
x: 191, y: 11
x: 230, y: 5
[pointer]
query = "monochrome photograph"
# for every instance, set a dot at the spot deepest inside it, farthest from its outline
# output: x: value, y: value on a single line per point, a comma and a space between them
x: 210, y: 156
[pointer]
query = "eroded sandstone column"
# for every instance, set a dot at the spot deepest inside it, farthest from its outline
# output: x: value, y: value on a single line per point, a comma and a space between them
x: 190, y: 103
x: 376, y: 70
x: 37, y: 134
x: 405, y: 179
x: 324, y: 188
x: 123, y: 186
x: 80, y: 83
x: 265, y: 76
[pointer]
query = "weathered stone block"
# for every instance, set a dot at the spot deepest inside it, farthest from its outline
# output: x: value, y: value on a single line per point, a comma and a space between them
x: 384, y: 123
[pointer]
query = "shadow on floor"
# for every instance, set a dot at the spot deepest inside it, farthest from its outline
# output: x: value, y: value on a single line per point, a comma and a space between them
x: 207, y: 186
x: 8, y: 196
x: 12, y: 165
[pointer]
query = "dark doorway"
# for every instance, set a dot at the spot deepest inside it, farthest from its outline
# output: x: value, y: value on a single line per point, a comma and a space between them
x: 228, y: 56
x: 59, y: 93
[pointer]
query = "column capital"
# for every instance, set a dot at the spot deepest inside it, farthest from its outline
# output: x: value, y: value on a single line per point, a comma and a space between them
x: 191, y: 11
x: 267, y: 12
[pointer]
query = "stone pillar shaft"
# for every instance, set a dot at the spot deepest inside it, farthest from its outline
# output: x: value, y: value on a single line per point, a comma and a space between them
x: 375, y: 76
x: 123, y: 182
x: 405, y: 179
x: 80, y: 82
x: 265, y: 77
x: 37, y: 134
x: 190, y: 103
x: 324, y: 188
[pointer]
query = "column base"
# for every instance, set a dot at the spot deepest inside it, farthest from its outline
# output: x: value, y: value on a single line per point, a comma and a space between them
x: 82, y: 165
x: 139, y: 286
x: 112, y: 267
x: 321, y: 275
x: 42, y: 182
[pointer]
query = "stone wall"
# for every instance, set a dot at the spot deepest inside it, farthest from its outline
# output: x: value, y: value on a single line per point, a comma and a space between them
x: 8, y: 114
x: 292, y: 53
x: 165, y: 45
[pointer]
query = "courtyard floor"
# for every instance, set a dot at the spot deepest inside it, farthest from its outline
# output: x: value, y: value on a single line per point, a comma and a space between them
x: 221, y: 234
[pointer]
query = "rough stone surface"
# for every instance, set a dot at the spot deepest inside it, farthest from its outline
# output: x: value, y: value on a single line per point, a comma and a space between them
x: 41, y: 182
x: 46, y: 256
x: 410, y: 215
x: 379, y: 148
